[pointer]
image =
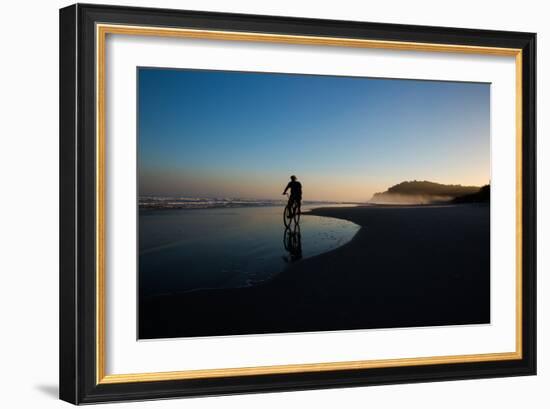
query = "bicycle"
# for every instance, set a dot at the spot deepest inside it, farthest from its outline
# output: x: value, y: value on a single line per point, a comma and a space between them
x: 291, y: 214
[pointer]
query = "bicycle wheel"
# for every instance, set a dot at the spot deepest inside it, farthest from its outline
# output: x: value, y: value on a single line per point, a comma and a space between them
x: 297, y: 213
x: 287, y: 219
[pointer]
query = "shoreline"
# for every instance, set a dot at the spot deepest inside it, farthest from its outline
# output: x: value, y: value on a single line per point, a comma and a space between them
x: 230, y: 205
x: 438, y: 253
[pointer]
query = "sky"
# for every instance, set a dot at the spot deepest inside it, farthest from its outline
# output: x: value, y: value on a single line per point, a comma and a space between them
x: 205, y: 133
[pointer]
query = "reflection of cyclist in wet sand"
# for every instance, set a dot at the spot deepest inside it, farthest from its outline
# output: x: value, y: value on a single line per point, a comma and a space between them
x: 293, y: 244
x: 295, y: 194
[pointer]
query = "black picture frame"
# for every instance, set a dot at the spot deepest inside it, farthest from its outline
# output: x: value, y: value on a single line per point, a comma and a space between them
x: 78, y: 313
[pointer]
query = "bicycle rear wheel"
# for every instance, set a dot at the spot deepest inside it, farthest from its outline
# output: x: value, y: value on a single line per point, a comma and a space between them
x: 297, y: 213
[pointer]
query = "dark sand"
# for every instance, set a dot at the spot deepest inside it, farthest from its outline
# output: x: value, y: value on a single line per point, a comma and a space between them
x: 407, y: 266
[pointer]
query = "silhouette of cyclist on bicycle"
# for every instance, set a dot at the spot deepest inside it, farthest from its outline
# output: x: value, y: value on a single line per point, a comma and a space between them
x: 295, y: 194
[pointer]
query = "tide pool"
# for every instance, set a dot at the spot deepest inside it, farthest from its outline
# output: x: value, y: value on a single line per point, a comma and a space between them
x: 189, y: 249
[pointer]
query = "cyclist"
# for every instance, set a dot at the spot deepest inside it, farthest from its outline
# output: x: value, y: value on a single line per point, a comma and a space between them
x: 295, y: 193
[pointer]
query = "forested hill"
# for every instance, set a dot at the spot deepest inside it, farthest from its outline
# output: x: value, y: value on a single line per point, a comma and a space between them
x: 415, y: 192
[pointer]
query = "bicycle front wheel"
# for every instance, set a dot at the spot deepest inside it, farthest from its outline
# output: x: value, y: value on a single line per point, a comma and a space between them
x: 287, y: 217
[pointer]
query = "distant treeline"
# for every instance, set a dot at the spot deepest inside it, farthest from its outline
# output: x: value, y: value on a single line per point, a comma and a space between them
x: 425, y: 192
x: 482, y: 195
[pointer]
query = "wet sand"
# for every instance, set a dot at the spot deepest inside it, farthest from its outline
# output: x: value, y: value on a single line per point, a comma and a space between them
x: 407, y: 266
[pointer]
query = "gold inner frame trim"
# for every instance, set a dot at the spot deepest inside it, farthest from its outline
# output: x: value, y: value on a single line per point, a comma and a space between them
x: 101, y: 32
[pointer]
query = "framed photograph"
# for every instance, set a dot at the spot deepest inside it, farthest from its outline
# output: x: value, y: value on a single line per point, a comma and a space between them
x: 257, y: 203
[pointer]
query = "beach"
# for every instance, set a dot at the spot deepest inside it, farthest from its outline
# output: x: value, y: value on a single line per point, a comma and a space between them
x: 407, y: 266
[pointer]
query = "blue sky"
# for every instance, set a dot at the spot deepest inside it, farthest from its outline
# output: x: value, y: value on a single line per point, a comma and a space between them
x: 238, y: 134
